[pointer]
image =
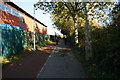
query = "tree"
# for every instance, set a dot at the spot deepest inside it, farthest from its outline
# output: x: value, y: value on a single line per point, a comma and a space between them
x: 69, y: 12
x: 64, y: 11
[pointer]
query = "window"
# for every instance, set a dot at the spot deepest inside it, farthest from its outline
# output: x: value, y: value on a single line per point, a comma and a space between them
x: 2, y: 6
x: 9, y: 10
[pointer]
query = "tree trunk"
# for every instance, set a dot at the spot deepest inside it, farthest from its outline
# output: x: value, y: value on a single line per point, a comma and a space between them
x: 76, y: 31
x: 88, y: 42
x: 76, y: 35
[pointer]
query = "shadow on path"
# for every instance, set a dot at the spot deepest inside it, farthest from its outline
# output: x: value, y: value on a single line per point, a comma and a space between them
x: 30, y: 65
x: 61, y: 64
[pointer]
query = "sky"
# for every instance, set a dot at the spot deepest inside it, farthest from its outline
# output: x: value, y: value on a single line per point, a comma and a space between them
x: 27, y: 5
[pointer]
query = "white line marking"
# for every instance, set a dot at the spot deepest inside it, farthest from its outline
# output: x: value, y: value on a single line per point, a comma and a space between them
x: 45, y: 63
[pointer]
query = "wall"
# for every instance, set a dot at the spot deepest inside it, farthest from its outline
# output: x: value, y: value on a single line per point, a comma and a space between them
x: 17, y: 30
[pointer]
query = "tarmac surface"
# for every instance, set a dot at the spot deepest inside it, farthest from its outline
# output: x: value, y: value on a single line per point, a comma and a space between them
x: 30, y: 65
x: 62, y: 64
x: 52, y: 61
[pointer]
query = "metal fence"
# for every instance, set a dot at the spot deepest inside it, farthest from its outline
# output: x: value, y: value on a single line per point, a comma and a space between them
x: 15, y: 39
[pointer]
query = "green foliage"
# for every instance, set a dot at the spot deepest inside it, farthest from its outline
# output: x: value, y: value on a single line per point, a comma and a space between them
x: 106, y: 54
x: 42, y: 44
x: 106, y: 45
x: 10, y: 59
x: 105, y: 40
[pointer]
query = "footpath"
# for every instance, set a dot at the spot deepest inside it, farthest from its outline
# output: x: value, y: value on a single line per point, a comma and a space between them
x: 50, y: 62
x: 62, y: 64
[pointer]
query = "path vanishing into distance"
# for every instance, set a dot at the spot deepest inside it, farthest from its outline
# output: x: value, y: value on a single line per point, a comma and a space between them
x: 61, y: 64
x: 52, y: 61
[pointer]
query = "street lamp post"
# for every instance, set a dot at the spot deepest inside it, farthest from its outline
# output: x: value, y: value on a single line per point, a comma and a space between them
x: 34, y: 29
x: 35, y: 5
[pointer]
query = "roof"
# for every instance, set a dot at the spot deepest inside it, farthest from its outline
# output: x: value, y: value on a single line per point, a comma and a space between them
x: 23, y: 11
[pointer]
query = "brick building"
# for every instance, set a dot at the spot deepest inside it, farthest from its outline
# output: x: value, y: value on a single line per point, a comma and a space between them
x: 17, y: 28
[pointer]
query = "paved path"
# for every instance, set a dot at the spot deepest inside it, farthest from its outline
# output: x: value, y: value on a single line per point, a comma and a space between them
x: 61, y: 64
